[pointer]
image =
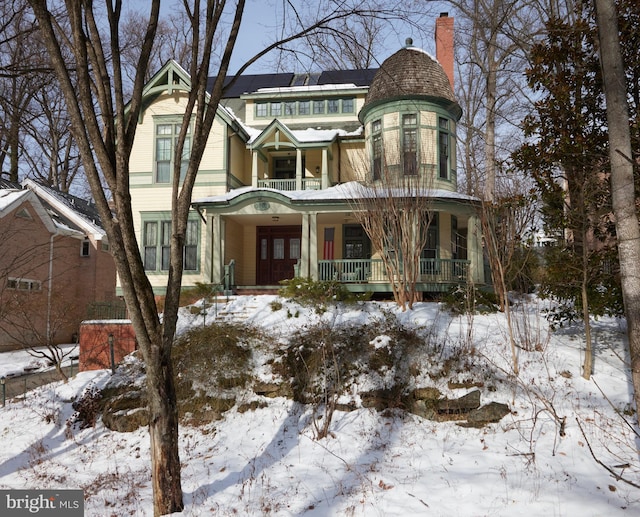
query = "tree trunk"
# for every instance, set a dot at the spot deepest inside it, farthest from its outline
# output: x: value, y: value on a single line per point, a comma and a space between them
x: 622, y: 185
x: 163, y: 432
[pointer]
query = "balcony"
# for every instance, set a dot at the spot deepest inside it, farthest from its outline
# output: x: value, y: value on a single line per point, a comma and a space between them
x: 291, y: 184
x: 370, y: 274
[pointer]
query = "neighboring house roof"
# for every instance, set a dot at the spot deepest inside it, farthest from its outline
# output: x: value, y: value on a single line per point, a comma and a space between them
x: 6, y: 184
x: 408, y: 74
x: 69, y: 211
x: 11, y: 198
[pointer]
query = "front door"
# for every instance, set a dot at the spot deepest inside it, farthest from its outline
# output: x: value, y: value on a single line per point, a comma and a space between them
x: 278, y: 253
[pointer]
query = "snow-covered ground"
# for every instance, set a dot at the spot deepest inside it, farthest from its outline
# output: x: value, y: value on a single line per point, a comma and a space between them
x: 267, y: 461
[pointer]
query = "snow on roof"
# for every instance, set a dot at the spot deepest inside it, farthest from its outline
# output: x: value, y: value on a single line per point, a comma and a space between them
x: 308, y: 88
x: 77, y: 211
x: 344, y: 191
x: 418, y: 49
x: 310, y: 135
x: 10, y: 196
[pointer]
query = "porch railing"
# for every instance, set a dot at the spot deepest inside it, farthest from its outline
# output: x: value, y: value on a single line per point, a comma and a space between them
x: 290, y: 184
x: 372, y: 270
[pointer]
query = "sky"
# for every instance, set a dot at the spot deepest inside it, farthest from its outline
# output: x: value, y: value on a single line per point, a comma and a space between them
x: 260, y: 24
x: 268, y: 461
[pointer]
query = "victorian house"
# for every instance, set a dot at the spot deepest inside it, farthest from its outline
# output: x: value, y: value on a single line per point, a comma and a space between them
x: 286, y: 159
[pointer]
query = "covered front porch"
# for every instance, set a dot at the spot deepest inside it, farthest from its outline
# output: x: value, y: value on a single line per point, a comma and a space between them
x: 258, y: 237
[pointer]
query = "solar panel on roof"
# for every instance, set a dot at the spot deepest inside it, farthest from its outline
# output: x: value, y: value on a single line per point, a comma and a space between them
x: 299, y: 80
x: 357, y: 77
x: 252, y: 83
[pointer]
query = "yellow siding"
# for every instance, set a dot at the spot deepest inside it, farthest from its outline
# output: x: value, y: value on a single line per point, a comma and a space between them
x: 427, y: 118
x: 428, y: 153
x: 444, y: 229
x: 249, y: 259
x: 390, y: 120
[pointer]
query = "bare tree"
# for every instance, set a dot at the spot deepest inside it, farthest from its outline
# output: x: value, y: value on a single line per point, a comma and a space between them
x: 622, y: 181
x: 493, y: 36
x: 20, y: 79
x: 51, y: 151
x: 104, y: 125
x: 394, y: 206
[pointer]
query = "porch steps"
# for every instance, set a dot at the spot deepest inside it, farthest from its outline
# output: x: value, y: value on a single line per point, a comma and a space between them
x: 227, y: 313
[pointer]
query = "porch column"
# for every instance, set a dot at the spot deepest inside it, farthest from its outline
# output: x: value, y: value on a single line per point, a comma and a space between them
x: 206, y: 253
x: 217, y: 256
x: 325, y: 168
x: 254, y: 168
x: 298, y: 169
x: 474, y: 249
x: 313, y: 245
x: 304, y: 248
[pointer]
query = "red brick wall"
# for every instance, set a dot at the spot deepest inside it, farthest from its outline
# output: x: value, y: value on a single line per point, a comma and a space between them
x: 75, y: 281
x: 95, y: 353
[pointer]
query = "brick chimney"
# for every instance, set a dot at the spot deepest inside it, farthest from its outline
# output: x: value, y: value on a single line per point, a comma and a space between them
x: 444, y: 44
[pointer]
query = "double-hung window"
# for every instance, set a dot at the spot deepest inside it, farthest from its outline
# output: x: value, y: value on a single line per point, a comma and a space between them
x: 443, y: 146
x: 410, y: 144
x: 318, y: 107
x: 290, y: 108
x: 376, y: 149
x: 157, y: 245
x: 304, y: 107
x: 166, y: 140
x: 150, y: 239
x: 262, y: 109
x: 333, y: 106
x: 347, y: 106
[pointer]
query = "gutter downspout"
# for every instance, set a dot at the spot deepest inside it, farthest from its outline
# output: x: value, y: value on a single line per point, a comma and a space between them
x: 49, y: 289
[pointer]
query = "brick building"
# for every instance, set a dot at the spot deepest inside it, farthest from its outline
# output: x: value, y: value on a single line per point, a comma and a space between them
x: 54, y: 264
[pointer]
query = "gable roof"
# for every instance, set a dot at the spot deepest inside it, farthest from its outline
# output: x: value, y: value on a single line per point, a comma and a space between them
x: 11, y: 198
x: 297, y: 137
x: 172, y: 77
x: 67, y: 210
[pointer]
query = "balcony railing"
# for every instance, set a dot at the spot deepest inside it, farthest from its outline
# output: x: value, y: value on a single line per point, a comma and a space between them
x: 350, y: 271
x: 290, y: 184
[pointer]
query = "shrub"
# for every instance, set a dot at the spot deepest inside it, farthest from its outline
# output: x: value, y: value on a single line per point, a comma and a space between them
x: 317, y: 294
x: 87, y: 408
x: 461, y: 299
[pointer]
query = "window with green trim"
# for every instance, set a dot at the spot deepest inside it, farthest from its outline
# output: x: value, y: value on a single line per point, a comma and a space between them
x: 304, y: 108
x: 410, y: 144
x: 157, y: 245
x: 262, y: 109
x: 290, y: 108
x: 376, y: 149
x: 318, y: 107
x: 166, y: 140
x: 443, y: 146
x: 348, y: 105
